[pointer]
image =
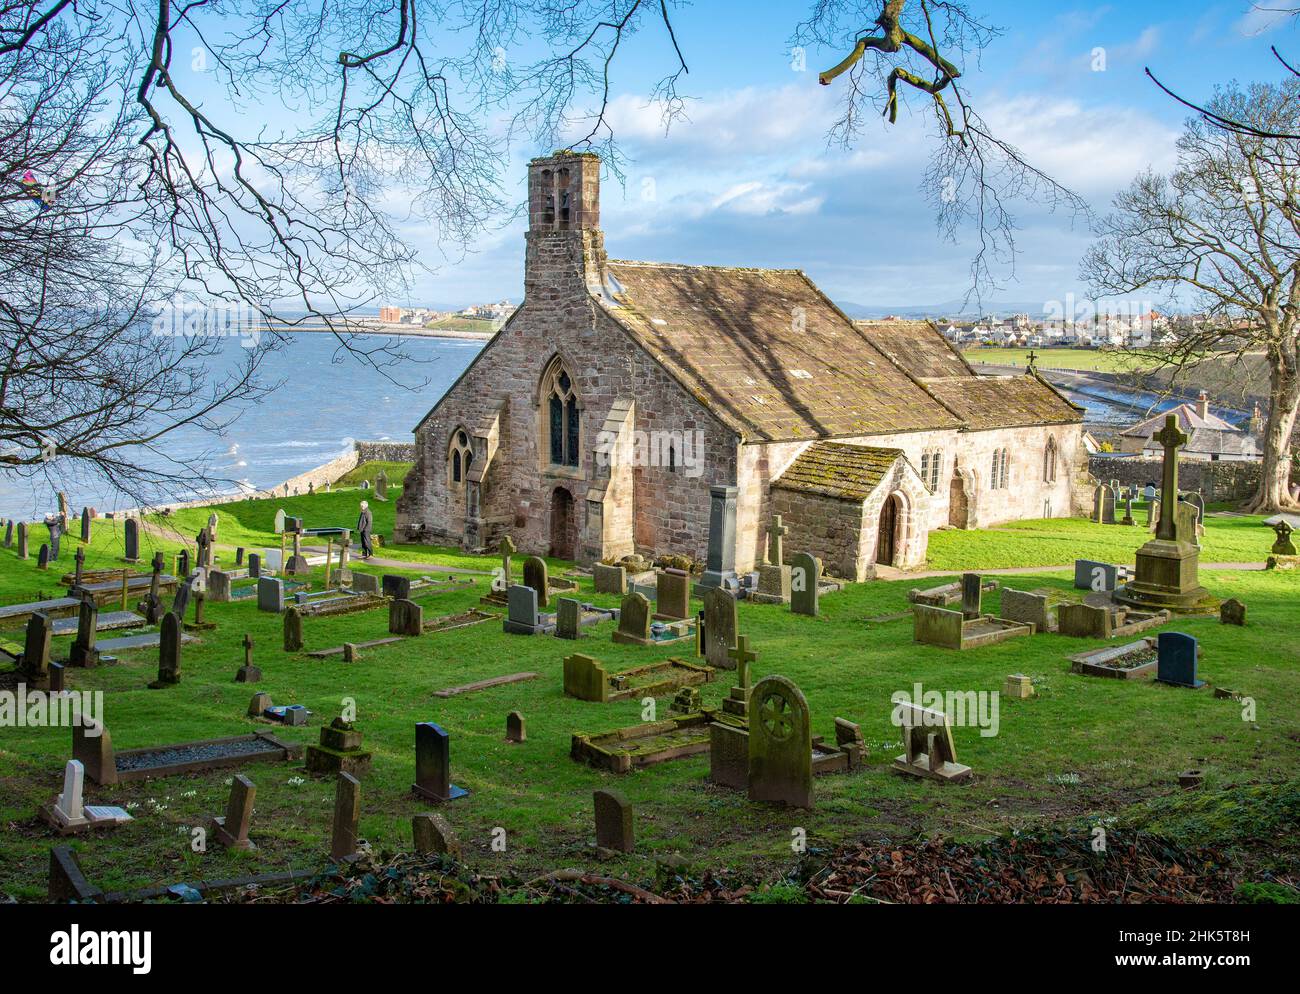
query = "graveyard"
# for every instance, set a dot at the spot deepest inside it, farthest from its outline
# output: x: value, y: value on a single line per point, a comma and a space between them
x: 510, y: 709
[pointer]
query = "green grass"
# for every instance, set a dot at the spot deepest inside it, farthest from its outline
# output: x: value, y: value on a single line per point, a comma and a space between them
x: 1084, y: 359
x: 1084, y: 748
x: 369, y: 470
x: 1060, y: 541
x: 463, y: 324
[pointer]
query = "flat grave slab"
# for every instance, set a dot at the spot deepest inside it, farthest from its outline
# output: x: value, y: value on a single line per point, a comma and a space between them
x: 586, y: 679
x: 1133, y: 661
x: 108, y: 766
x: 338, y: 649
x: 14, y: 614
x: 649, y: 743
x: 127, y: 642
x: 107, y: 622
x: 465, y: 619
x: 495, y: 681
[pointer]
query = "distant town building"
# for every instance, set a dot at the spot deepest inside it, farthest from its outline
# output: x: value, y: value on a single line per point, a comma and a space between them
x: 1210, y: 438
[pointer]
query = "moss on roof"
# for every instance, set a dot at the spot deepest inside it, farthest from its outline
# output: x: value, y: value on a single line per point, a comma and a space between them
x: 1003, y: 401
x: 844, y: 472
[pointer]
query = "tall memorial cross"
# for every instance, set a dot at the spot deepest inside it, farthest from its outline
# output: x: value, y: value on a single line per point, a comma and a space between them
x: 1172, y: 438
x: 507, y: 549
x: 775, y: 531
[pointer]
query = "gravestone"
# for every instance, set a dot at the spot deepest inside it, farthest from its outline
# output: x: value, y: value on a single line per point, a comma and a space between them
x: 1103, y: 505
x: 1094, y: 576
x: 92, y: 746
x: 278, y: 525
x: 720, y: 625
x: 720, y: 568
x: 57, y: 685
x: 203, y: 541
x: 633, y: 621
x: 673, y: 597
x: 78, y: 566
x: 936, y: 626
x: 1018, y: 687
x: 1128, y: 509
x: 169, y: 653
x: 398, y: 587
x: 297, y: 564
x: 36, y: 652
x: 805, y: 584
x: 1233, y: 612
x: 22, y: 540
x: 1026, y: 608
x: 506, y: 548
x: 293, y: 630
x: 231, y: 829
x: 212, y: 527
x: 780, y: 744
x: 609, y: 579
x: 365, y: 583
x: 515, y: 728
x: 56, y: 526
x: 83, y: 651
x: 432, y: 834
x: 1084, y: 621
x: 1176, y: 663
x: 568, y: 618
x: 270, y: 594
x: 254, y: 566
x: 535, y: 576
x: 248, y: 673
x: 1282, y: 546
x: 153, y: 610
x: 928, y: 743
x: 219, y: 586
x: 183, y: 563
x: 350, y: 652
x: 68, y: 808
x: 433, y: 764
x: 584, y: 678
x: 972, y: 594
x: 347, y: 817
x: 132, y: 540
x: 258, y: 704
x: 239, y: 556
x: 522, y: 616
x: 85, y: 525
x: 613, y: 821
x: 381, y: 486
x: 43, y: 557
x: 338, y: 751
x: 1149, y: 492
x: 405, y: 618
x: 9, y: 533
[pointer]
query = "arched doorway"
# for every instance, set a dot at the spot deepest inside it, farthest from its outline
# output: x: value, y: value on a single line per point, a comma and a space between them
x: 563, y: 525
x: 887, y: 532
x: 958, y: 502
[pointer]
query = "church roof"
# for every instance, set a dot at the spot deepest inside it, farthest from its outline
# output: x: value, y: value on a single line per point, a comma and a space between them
x: 1003, y: 401
x: 767, y: 352
x: 833, y: 469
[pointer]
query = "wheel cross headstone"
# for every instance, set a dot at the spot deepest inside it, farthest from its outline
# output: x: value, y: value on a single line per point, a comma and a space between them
x: 780, y: 744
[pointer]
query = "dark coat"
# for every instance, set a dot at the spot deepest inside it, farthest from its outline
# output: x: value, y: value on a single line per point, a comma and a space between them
x: 365, y: 521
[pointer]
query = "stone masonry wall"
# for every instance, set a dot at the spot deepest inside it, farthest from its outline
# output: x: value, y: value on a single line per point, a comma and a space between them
x: 1222, y: 481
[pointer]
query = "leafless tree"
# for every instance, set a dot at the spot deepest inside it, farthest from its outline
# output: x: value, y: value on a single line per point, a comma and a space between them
x: 263, y: 157
x: 1222, y: 233
x: 901, y: 47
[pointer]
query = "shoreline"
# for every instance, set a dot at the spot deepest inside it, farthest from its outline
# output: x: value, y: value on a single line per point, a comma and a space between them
x: 393, y: 331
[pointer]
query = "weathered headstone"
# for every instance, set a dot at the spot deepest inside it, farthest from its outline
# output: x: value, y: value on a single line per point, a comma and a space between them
x: 1176, y: 663
x: 805, y: 584
x: 169, y: 653
x: 937, y: 626
x: 293, y: 630
x: 1094, y: 576
x: 254, y: 566
x: 239, y: 556
x: 85, y: 524
x: 1233, y: 612
x: 36, y: 652
x: 258, y: 704
x: 396, y: 586
x: 535, y: 576
x: 584, y: 678
x: 231, y: 829
x: 347, y: 817
x: 433, y: 764
x: 219, y: 586
x: 183, y: 564
x: 1084, y: 621
x: 1018, y: 687
x: 609, y: 579
x: 203, y: 542
x: 405, y: 618
x: 780, y: 744
x: 22, y: 540
x: 83, y: 651
x: 1026, y: 608
x: 633, y: 621
x: 131, y: 540
x: 270, y: 594
x: 9, y: 533
x: 248, y: 673
x: 1103, y: 505
x: 674, y: 594
x: 515, y: 728
x: 720, y: 624
x: 927, y: 740
x: 153, y: 609
x: 613, y: 821
x: 433, y: 834
x: 1282, y: 546
x: 972, y: 593
x: 381, y: 486
x: 92, y: 746
x: 278, y: 525
x: 568, y: 618
x: 43, y: 557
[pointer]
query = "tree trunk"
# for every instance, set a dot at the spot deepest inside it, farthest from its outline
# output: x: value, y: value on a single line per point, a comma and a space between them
x: 1274, y: 493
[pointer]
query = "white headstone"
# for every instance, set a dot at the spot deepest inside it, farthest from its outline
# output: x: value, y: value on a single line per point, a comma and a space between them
x: 279, y: 522
x: 68, y: 806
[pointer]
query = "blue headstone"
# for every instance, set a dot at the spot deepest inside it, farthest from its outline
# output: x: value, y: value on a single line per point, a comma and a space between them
x: 1177, y: 660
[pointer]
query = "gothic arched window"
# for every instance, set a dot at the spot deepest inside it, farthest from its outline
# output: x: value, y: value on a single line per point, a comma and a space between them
x: 459, y: 458
x: 561, y: 418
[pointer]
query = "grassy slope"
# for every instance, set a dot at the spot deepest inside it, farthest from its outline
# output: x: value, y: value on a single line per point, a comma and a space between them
x: 1124, y: 741
x: 1085, y: 359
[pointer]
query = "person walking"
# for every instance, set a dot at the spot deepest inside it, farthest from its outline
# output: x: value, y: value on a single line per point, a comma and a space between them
x: 365, y: 522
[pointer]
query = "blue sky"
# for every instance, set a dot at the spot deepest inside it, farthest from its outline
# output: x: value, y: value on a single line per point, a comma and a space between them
x: 750, y: 180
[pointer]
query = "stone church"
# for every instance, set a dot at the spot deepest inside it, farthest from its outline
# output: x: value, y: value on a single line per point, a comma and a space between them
x: 595, y: 421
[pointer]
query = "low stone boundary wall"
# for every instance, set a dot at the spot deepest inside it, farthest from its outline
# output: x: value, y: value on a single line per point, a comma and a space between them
x: 1222, y: 481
